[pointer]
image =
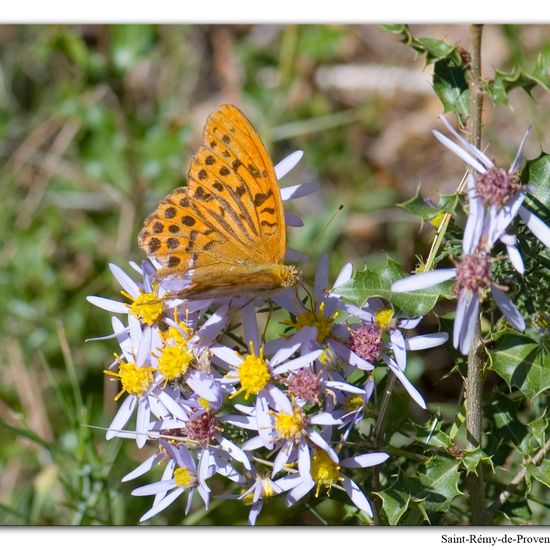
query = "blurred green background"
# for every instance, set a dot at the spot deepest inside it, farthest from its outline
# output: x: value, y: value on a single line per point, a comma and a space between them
x: 97, y: 123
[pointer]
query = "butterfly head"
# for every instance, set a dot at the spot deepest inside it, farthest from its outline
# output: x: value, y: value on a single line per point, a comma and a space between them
x: 290, y: 275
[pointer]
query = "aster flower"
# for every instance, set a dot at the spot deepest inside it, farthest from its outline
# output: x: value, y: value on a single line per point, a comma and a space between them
x: 290, y: 428
x: 136, y: 375
x: 473, y: 279
x: 145, y: 304
x: 255, y: 372
x: 180, y: 475
x: 499, y: 191
x: 325, y: 473
x: 366, y: 339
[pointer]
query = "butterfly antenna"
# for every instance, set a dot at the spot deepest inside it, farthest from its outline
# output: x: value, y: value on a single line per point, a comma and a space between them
x: 318, y: 236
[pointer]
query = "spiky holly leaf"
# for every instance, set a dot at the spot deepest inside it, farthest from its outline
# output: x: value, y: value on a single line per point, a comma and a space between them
x: 521, y: 362
x: 369, y: 284
x: 499, y: 88
x: 395, y: 502
x: 422, y: 208
x: 537, y: 174
x: 540, y: 473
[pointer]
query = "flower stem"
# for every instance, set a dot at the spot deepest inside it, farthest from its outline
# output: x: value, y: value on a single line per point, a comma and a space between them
x: 474, y: 380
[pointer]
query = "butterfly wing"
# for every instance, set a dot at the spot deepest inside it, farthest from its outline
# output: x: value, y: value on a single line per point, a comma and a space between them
x: 229, y: 219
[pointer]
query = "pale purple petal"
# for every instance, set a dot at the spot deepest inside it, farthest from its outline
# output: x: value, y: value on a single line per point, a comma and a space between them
x: 122, y: 416
x: 426, y: 341
x: 164, y: 503
x: 142, y: 422
x: 250, y: 326
x: 465, y: 324
x: 325, y: 418
x: 519, y: 155
x: 316, y: 438
x: 154, y: 488
x: 299, y: 362
x: 459, y: 152
x: 297, y: 191
x: 295, y: 494
x: 411, y: 390
x: 474, y: 224
x: 247, y: 422
x: 344, y: 276
x: 503, y: 218
x: 321, y: 278
x: 356, y: 495
x: 125, y: 281
x: 294, y: 256
x: 278, y: 399
x: 464, y: 299
x: 510, y: 241
x: 288, y: 346
x: 204, y: 385
x: 536, y: 225
x: 364, y: 460
x: 344, y: 386
x: 510, y: 311
x: 173, y: 406
x: 253, y: 444
x: 423, y: 280
x: 263, y: 421
x: 304, y: 460
x: 398, y: 347
x: 234, y: 452
x: 352, y: 358
x: 408, y: 323
x: 283, y: 167
x: 255, y: 512
x: 292, y: 220
x: 143, y: 468
x: 109, y: 305
x: 144, y: 347
x: 282, y: 457
x: 483, y: 158
x: 226, y: 354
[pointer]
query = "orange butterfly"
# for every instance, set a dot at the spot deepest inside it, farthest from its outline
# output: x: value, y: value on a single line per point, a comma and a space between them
x: 225, y: 232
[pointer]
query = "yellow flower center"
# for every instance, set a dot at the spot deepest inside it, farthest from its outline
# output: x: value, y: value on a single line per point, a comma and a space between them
x: 290, y: 426
x: 324, y: 471
x: 175, y: 336
x: 183, y: 477
x: 354, y: 402
x: 135, y: 380
x: 319, y: 320
x: 384, y: 318
x: 253, y: 373
x: 174, y: 361
x: 146, y: 307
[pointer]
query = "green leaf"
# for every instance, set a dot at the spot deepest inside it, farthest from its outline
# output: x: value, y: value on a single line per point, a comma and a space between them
x: 423, y: 209
x: 521, y: 362
x: 450, y: 85
x: 368, y: 284
x: 504, y: 82
x: 440, y: 484
x: 435, y: 50
x: 473, y: 458
x: 394, y: 503
x: 540, y: 473
x: 537, y: 174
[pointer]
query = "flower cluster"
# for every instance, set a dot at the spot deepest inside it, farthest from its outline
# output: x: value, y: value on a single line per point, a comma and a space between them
x: 495, y: 198
x: 215, y: 395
